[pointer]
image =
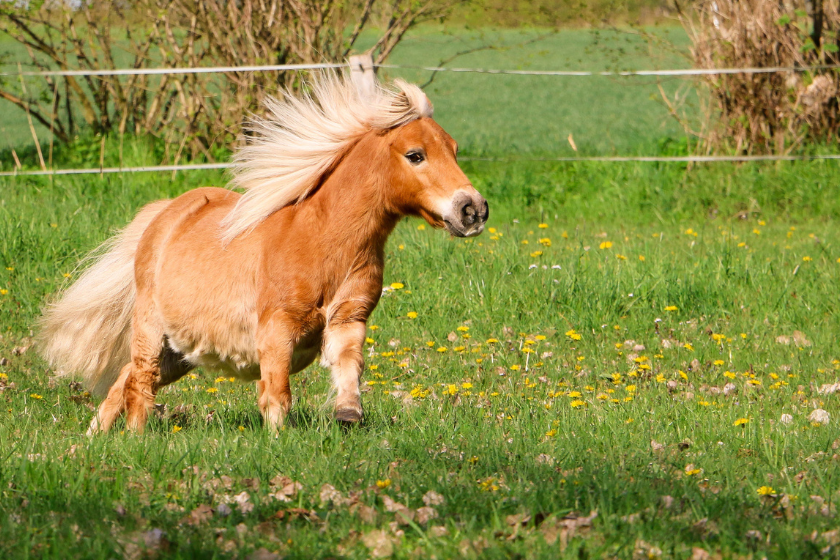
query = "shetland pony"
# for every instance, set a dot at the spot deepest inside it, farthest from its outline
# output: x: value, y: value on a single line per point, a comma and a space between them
x: 258, y: 284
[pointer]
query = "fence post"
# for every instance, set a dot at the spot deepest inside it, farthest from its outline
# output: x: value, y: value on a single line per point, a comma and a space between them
x: 361, y: 73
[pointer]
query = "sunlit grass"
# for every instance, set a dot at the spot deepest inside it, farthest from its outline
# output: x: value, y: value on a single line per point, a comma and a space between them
x: 662, y: 373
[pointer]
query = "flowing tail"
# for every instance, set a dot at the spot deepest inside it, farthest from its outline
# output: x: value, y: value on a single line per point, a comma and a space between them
x: 88, y: 331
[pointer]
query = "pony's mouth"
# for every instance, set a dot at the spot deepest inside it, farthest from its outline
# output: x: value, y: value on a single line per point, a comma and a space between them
x: 460, y: 231
x: 468, y: 215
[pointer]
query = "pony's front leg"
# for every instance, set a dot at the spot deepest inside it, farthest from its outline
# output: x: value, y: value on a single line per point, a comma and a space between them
x: 274, y: 390
x: 343, y: 355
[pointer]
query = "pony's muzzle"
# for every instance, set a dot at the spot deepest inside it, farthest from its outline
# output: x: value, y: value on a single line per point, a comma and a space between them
x: 469, y: 214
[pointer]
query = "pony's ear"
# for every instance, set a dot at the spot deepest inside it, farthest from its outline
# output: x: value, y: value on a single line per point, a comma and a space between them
x: 412, y: 99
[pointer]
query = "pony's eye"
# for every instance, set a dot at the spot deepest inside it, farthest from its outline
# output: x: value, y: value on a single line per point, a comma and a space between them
x: 415, y: 157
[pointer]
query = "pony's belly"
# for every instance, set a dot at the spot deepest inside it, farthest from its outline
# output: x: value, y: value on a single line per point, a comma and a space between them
x: 245, y: 364
x: 240, y: 363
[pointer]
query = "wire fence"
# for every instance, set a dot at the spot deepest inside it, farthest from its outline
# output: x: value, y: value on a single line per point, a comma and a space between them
x: 295, y: 67
x: 494, y: 71
x: 603, y: 159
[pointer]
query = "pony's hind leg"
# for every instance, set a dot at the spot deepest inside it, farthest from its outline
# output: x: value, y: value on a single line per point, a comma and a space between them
x: 112, y: 406
x: 171, y: 367
x: 140, y: 380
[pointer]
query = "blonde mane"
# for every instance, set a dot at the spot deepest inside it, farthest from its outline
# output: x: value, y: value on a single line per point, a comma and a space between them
x: 291, y: 148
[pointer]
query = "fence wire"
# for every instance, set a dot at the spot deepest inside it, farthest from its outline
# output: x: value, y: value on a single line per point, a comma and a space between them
x: 494, y: 71
x: 501, y: 71
x: 607, y: 159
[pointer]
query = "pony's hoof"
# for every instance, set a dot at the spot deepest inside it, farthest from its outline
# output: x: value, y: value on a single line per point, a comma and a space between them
x: 348, y: 415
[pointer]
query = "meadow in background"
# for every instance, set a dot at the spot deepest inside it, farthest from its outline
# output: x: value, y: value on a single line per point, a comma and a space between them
x: 637, y: 360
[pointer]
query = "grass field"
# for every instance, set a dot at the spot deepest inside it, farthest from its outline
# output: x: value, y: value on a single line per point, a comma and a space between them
x: 627, y: 365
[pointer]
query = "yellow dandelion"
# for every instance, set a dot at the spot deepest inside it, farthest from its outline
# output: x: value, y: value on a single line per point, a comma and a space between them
x: 411, y: 314
x: 543, y: 226
x: 642, y: 258
x: 397, y: 285
x: 605, y: 245
x: 740, y: 422
x: 383, y: 483
x: 462, y: 328
x: 212, y: 390
x: 577, y: 403
x: 176, y: 429
x: 3, y: 291
x: 807, y: 259
x: 765, y: 491
x: 442, y: 349
x: 536, y: 254
x: 35, y: 396
x: 670, y: 308
x: 421, y: 227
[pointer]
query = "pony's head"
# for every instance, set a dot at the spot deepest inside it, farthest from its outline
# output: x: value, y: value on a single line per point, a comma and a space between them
x: 427, y: 181
x: 302, y: 136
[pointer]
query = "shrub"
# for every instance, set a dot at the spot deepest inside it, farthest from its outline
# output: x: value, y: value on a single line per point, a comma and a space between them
x: 767, y: 112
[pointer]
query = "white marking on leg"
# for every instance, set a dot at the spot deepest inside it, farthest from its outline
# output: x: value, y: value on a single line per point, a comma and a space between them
x: 343, y: 355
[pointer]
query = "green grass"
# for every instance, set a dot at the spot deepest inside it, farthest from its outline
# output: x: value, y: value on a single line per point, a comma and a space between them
x: 745, y: 253
x: 492, y: 445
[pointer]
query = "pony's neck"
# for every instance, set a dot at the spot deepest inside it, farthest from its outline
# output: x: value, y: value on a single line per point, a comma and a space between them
x: 352, y: 201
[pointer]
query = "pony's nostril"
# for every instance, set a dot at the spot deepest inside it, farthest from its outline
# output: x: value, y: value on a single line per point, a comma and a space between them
x: 468, y: 214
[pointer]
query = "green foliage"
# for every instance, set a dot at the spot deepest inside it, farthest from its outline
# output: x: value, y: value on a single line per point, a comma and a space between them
x: 736, y: 249
x: 553, y: 13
